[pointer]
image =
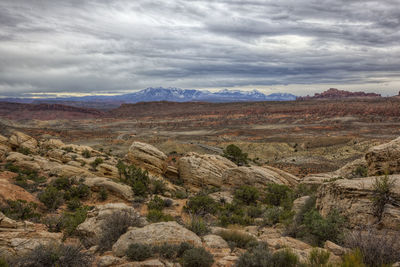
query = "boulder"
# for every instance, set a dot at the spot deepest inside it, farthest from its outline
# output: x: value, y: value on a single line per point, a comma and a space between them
x: 215, y: 241
x: 298, y: 203
x: 384, y: 158
x: 256, y: 176
x: 335, y: 249
x: 200, y: 170
x: 348, y: 171
x: 4, y: 140
x: 108, y: 260
x: 21, y: 140
x: 107, y: 170
x: 52, y: 144
x: 91, y: 228
x: 146, y: 263
x: 155, y: 234
x: 17, y: 243
x: 147, y: 157
x: 10, y: 191
x: 354, y: 199
x: 23, y: 161
x: 121, y: 190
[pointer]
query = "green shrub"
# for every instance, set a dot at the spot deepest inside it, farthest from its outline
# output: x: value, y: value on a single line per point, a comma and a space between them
x: 257, y: 256
x: 54, y: 255
x: 115, y: 225
x: 139, y: 252
x: 158, y: 216
x: 254, y: 212
x: 180, y: 194
x: 197, y: 257
x: 377, y: 248
x: 235, y: 154
x: 158, y: 187
x: 20, y: 210
x: 238, y: 239
x: 80, y: 191
x: 284, y: 258
x: 103, y: 194
x: 68, y: 149
x: 51, y: 197
x: 198, y: 226
x: 74, y: 204
x: 246, y: 194
x: 12, y: 168
x: 353, y: 259
x: 86, y: 153
x: 317, y: 229
x: 62, y: 183
x: 277, y: 195
x: 135, y: 177
x: 260, y: 256
x: 272, y: 215
x: 360, y: 171
x: 233, y: 213
x: 381, y: 194
x: 156, y: 204
x: 201, y: 205
x: 53, y: 223
x: 24, y: 150
x: 96, y: 163
x: 318, y: 258
x: 166, y: 251
x: 71, y: 220
x: 3, y: 263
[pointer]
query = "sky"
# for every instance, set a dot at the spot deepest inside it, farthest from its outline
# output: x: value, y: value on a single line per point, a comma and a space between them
x: 77, y: 47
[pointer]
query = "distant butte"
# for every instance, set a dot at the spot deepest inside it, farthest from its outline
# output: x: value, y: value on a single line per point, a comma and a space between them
x: 333, y: 93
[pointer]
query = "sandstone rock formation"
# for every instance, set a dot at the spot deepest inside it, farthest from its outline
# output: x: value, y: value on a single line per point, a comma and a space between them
x: 347, y: 171
x: 256, y: 176
x: 354, y: 199
x: 199, y: 170
x: 156, y: 234
x: 147, y: 157
x: 384, y: 158
x: 91, y: 228
x: 21, y: 140
x: 121, y: 190
x: 10, y: 191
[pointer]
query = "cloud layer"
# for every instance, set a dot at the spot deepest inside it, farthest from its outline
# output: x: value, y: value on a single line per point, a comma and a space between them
x: 298, y: 46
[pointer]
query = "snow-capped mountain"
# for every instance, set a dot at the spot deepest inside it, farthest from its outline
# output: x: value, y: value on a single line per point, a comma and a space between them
x: 176, y: 95
x: 186, y: 95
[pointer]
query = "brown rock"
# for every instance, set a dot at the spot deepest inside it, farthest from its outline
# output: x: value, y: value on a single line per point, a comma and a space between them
x: 10, y: 191
x: 147, y: 157
x: 199, y: 170
x: 121, y: 190
x: 384, y: 159
x: 22, y: 140
x: 256, y: 176
x: 353, y: 198
x: 155, y: 234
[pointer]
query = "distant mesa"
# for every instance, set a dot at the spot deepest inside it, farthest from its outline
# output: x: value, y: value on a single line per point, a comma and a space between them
x: 334, y: 93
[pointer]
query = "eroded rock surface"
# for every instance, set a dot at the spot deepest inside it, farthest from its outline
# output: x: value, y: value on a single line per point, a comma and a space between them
x: 147, y: 157
x: 156, y: 234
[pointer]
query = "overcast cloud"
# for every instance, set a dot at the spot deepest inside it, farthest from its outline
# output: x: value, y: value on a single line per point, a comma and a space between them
x: 296, y: 46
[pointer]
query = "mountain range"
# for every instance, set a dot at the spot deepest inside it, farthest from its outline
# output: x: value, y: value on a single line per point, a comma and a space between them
x: 169, y: 94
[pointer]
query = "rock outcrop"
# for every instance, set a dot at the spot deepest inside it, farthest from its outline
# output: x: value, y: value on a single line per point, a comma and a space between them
x: 10, y: 191
x: 354, y: 199
x: 384, y: 158
x: 121, y: 190
x: 147, y: 157
x: 199, y: 170
x: 91, y: 228
x: 155, y: 234
x: 348, y: 171
x: 256, y: 176
x: 21, y: 140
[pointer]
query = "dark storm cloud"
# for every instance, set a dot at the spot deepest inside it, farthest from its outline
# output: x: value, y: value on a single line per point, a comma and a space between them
x: 113, y: 46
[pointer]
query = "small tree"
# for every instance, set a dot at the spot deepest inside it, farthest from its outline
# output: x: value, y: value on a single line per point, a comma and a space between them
x: 381, y: 194
x: 235, y: 154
